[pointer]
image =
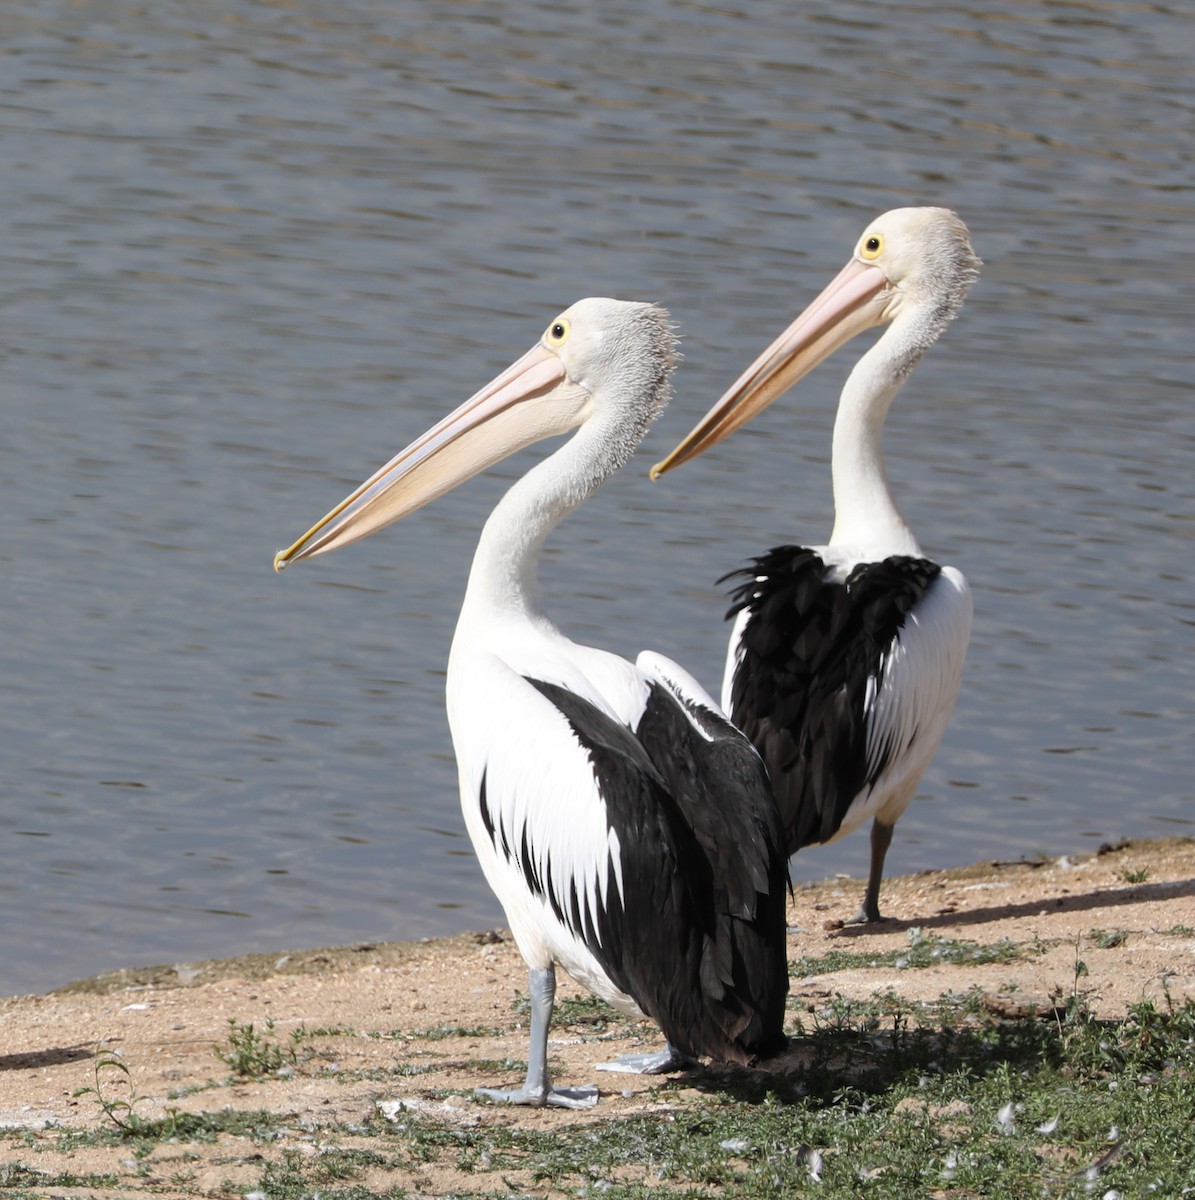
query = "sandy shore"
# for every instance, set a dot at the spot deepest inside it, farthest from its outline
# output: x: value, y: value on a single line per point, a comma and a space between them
x: 411, y: 1022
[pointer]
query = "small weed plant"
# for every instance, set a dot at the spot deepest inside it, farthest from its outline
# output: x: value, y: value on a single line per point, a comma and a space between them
x: 254, y: 1054
x: 114, y: 1092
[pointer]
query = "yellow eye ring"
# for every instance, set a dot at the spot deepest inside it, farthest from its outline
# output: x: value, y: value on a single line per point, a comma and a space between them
x: 872, y: 246
x: 558, y: 331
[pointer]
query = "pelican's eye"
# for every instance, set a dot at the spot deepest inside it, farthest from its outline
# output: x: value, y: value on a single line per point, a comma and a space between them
x: 558, y: 332
x: 871, y: 246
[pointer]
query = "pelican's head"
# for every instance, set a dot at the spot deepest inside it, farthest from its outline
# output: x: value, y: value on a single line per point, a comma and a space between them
x: 924, y: 255
x: 911, y: 264
x: 595, y: 350
x: 605, y: 343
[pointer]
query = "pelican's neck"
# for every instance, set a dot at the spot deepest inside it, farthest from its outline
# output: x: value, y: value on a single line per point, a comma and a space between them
x: 865, y: 514
x: 504, y: 580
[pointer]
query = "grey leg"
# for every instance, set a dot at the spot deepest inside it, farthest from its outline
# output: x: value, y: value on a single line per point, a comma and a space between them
x: 881, y: 839
x: 538, y: 1090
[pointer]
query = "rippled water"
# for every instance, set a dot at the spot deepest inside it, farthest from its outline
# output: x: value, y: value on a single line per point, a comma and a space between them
x: 250, y: 249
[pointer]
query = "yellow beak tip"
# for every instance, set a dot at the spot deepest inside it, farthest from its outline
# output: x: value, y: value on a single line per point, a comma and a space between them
x: 280, y: 561
x: 656, y: 471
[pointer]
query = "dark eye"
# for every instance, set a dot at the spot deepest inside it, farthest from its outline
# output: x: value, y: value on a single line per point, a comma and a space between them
x: 871, y: 245
x: 558, y: 330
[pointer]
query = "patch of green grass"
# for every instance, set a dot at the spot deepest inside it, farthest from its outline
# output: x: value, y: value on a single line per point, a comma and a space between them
x: 1108, y: 939
x: 18, y: 1176
x: 439, y: 1033
x: 303, y: 1034
x: 490, y: 1066
x: 396, y: 1070
x: 870, y: 1013
x: 837, y: 960
x: 928, y: 951
x: 923, y: 950
x: 1135, y: 876
x: 590, y: 1011
x: 967, y: 1106
x: 301, y: 1177
x: 257, y: 1125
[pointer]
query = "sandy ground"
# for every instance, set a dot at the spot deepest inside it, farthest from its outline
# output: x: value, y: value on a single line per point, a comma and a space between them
x: 418, y: 1018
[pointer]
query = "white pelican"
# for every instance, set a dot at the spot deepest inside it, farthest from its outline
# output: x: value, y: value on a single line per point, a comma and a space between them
x: 626, y: 826
x: 845, y: 659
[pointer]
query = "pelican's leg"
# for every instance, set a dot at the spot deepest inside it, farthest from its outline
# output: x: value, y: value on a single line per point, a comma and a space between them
x: 538, y: 1090
x: 655, y: 1062
x: 881, y: 839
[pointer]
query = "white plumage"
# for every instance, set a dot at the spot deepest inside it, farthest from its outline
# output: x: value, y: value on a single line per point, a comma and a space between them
x: 845, y: 659
x: 626, y: 826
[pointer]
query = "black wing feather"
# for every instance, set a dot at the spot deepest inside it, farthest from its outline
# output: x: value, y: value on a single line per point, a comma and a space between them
x: 808, y: 648
x: 699, y: 944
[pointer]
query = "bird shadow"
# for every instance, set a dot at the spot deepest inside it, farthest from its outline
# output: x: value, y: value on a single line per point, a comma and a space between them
x: 53, y: 1056
x: 817, y: 1067
x: 1080, y: 902
x: 871, y: 1058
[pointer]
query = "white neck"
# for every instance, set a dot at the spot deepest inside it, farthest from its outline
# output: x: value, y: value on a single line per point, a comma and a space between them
x: 503, y: 579
x: 865, y: 515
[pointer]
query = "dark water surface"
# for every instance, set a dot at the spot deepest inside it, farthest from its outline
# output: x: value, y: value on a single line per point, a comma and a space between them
x: 248, y: 250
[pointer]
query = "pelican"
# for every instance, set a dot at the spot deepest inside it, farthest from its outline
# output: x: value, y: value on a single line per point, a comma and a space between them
x: 626, y: 826
x: 845, y: 659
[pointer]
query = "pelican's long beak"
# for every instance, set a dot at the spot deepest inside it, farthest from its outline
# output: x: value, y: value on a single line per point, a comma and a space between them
x: 854, y: 301
x: 530, y: 400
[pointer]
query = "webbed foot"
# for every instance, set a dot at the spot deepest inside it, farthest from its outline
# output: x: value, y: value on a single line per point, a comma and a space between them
x: 655, y: 1062
x: 553, y: 1097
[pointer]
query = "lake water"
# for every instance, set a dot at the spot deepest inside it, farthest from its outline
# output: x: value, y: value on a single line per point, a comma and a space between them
x: 248, y: 250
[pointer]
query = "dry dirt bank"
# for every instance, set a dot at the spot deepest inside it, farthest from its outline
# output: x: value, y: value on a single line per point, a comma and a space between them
x: 418, y: 1018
